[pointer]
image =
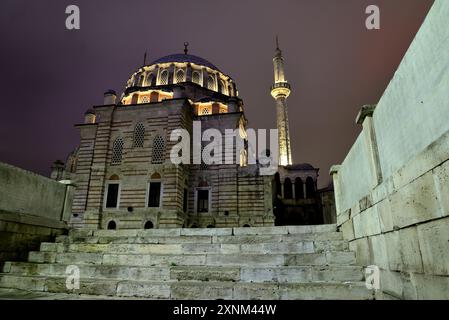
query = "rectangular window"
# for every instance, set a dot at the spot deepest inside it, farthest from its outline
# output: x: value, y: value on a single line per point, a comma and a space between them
x: 203, y: 200
x: 184, y: 204
x: 112, y: 196
x: 154, y: 195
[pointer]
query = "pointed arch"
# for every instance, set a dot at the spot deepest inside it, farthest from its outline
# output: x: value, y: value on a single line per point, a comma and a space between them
x: 288, y: 190
x: 299, y: 188
x: 150, y: 79
x: 180, y: 76
x: 139, y: 135
x: 310, y: 188
x: 135, y: 98
x: 196, y: 77
x: 210, y: 83
x: 224, y: 89
x: 277, y: 184
x: 158, y: 154
x: 117, y: 151
x: 163, y: 78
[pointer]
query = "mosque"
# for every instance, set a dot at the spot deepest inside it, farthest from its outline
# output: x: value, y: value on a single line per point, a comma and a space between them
x: 124, y: 177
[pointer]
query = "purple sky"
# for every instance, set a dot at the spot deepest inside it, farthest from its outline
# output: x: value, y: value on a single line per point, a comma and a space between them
x: 49, y: 75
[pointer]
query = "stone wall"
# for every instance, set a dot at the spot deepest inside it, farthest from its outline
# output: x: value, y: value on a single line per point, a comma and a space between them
x: 33, y: 209
x: 392, y: 190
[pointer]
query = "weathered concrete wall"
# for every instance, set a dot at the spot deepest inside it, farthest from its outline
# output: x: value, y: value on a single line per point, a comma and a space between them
x: 401, y: 223
x: 33, y: 209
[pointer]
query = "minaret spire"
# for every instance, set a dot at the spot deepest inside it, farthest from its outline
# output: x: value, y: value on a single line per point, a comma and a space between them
x: 280, y: 92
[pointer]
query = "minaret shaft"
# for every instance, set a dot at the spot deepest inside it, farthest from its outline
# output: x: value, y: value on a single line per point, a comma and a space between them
x: 280, y: 92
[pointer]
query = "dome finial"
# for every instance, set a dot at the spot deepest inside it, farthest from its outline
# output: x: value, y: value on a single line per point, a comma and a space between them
x: 186, y: 49
x: 277, y: 42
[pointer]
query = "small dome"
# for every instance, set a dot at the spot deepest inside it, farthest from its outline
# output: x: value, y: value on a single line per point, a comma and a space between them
x: 185, y: 58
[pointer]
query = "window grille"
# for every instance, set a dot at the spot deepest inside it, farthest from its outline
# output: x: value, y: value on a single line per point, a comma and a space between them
x: 158, y: 150
x: 139, y: 136
x: 205, y: 111
x: 179, y: 76
x: 196, y: 77
x: 150, y: 79
x: 210, y: 83
x: 164, y: 77
x: 117, y: 151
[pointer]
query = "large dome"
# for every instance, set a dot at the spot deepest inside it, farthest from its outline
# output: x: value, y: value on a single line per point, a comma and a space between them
x: 185, y: 58
x: 197, y: 79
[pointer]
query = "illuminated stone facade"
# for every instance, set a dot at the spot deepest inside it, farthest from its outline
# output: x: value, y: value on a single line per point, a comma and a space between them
x: 123, y: 173
x: 125, y: 178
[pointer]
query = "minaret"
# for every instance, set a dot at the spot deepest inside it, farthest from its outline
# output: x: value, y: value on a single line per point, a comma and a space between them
x: 280, y: 92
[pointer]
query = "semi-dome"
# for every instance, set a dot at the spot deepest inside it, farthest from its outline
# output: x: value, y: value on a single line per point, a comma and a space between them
x: 182, y: 57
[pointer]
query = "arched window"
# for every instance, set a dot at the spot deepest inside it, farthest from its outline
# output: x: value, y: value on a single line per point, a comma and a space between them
x: 210, y: 83
x: 154, y: 191
x: 150, y: 78
x: 112, y: 192
x: 310, y: 188
x: 158, y: 150
x: 196, y: 77
x: 154, y: 96
x: 179, y: 76
x: 135, y: 98
x: 141, y: 78
x: 277, y: 184
x: 139, y: 135
x: 288, y: 190
x: 299, y: 189
x: 148, y: 225
x: 112, y: 225
x: 223, y: 87
x: 164, y: 77
x: 117, y: 151
x: 229, y: 90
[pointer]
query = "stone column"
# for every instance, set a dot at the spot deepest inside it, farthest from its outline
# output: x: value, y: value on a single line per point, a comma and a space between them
x: 293, y: 191
x: 205, y: 74
x: 189, y: 73
x: 365, y: 118
x: 171, y: 74
x: 334, y: 173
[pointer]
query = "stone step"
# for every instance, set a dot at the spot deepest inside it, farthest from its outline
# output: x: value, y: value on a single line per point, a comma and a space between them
x: 200, y: 248
x: 243, y: 239
x: 205, y: 231
x: 193, y: 289
x: 200, y: 273
x: 234, y: 259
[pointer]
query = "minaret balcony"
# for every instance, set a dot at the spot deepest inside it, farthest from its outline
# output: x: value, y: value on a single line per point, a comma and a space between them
x: 280, y: 89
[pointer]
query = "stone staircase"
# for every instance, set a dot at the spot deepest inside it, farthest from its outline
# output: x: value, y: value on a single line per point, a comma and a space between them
x: 294, y: 262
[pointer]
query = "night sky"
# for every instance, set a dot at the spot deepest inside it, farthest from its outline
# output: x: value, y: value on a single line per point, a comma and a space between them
x: 49, y: 76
